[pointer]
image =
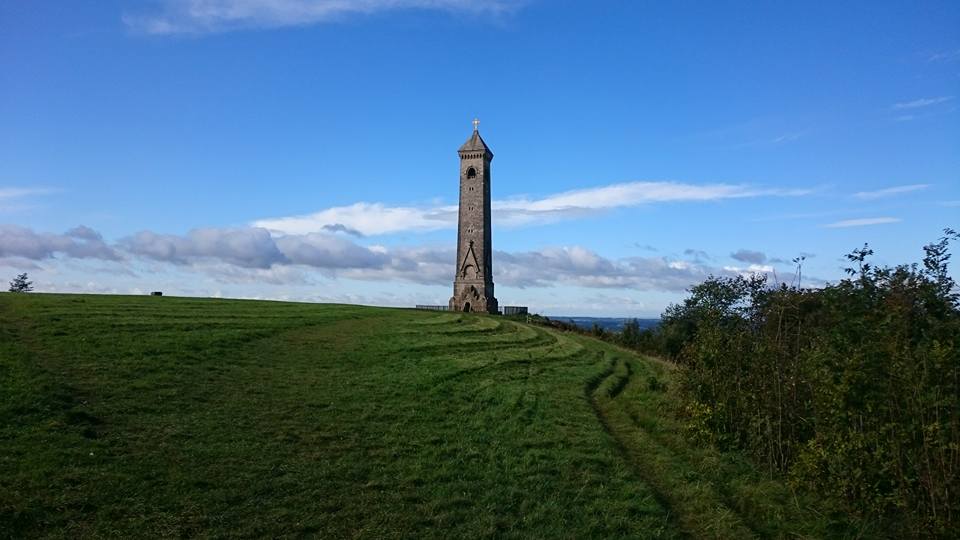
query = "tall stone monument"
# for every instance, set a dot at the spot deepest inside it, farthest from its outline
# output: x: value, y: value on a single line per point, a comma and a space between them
x: 473, y: 283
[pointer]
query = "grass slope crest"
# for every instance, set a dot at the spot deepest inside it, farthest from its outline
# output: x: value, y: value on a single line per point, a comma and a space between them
x: 139, y: 416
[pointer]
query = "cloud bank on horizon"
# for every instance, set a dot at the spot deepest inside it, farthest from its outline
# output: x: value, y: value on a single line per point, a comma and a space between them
x: 327, y: 241
x: 285, y: 250
x: 231, y: 252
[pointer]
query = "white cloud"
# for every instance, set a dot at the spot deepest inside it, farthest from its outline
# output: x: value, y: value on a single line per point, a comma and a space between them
x: 329, y: 251
x: 578, y: 266
x: 80, y: 242
x: 749, y: 270
x: 887, y: 192
x: 922, y: 102
x: 372, y: 219
x: 862, y: 222
x: 368, y: 219
x: 245, y: 247
x: 207, y: 16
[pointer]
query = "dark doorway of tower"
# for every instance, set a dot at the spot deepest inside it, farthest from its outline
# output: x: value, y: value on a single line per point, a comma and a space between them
x: 466, y: 307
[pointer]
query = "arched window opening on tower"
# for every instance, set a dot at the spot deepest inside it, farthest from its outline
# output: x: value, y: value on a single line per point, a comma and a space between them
x: 471, y: 173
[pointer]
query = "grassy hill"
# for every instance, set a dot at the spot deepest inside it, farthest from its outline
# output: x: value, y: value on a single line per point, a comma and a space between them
x: 142, y: 416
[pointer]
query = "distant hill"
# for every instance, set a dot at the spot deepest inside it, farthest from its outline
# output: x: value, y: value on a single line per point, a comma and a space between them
x: 611, y: 324
x: 137, y: 417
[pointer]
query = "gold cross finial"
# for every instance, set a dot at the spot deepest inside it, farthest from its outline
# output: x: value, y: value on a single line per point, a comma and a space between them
x: 476, y: 124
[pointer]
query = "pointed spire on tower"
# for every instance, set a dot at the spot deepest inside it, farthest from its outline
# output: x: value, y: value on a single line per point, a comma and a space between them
x: 475, y: 142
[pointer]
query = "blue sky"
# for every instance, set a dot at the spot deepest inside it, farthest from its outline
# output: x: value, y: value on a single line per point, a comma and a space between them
x: 307, y: 149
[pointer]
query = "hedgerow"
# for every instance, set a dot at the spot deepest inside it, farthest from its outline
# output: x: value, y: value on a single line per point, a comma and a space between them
x: 852, y: 390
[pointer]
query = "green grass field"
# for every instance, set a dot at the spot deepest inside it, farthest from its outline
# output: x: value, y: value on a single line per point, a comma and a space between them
x: 168, y: 417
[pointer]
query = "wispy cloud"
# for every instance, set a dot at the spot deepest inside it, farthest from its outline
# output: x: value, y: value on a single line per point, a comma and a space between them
x: 20, y: 199
x: 922, y: 102
x: 7, y: 193
x: 801, y: 215
x: 945, y: 56
x: 210, y: 16
x: 770, y: 141
x: 368, y: 219
x: 862, y: 222
x: 371, y: 219
x: 762, y: 132
x: 890, y: 191
x: 789, y: 137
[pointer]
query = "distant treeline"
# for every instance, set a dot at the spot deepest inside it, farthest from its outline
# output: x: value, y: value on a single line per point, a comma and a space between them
x: 851, y: 390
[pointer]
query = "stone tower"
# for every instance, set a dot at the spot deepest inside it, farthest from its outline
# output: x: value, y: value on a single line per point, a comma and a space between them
x: 473, y: 283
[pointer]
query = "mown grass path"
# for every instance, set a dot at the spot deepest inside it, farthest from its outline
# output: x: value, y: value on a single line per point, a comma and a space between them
x: 147, y: 417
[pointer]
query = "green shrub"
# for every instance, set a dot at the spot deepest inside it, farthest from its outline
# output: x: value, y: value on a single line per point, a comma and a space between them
x: 853, y: 389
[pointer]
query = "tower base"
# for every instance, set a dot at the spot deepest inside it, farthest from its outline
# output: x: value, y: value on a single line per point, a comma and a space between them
x: 474, y: 297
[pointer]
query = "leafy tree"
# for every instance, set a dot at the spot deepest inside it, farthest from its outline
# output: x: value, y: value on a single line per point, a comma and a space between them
x: 630, y: 336
x: 598, y: 331
x: 21, y: 284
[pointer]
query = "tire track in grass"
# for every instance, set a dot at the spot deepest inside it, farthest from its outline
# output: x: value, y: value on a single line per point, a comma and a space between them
x: 492, y: 335
x: 590, y: 391
x: 526, y: 361
x: 540, y: 352
x: 480, y: 346
x: 455, y: 325
x: 776, y: 513
x: 699, y: 511
x: 622, y: 380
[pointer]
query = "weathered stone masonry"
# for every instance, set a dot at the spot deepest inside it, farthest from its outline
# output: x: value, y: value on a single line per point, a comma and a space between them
x: 473, y: 283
